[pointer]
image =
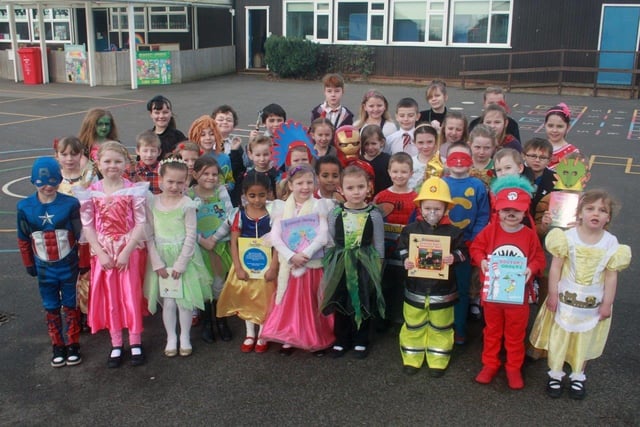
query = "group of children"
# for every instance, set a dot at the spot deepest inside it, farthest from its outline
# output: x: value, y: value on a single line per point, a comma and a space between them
x: 311, y: 246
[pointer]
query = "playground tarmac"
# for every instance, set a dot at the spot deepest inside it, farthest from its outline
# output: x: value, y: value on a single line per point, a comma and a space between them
x: 220, y: 385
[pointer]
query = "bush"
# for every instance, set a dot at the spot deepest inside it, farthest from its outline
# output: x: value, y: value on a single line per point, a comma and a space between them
x: 291, y: 57
x: 347, y: 59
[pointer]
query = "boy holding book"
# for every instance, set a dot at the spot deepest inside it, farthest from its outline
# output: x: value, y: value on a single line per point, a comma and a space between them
x: 428, y: 302
x: 507, y: 237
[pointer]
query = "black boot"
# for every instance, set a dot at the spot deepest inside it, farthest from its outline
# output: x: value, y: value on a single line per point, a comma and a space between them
x: 207, y: 324
x: 223, y: 327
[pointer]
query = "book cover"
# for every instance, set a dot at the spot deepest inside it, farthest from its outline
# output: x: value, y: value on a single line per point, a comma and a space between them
x: 170, y: 287
x: 427, y: 251
x: 299, y: 232
x: 505, y: 280
x: 255, y: 256
x: 563, y: 206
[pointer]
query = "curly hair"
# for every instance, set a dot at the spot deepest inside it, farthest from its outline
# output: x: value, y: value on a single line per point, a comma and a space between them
x: 202, y: 123
x: 87, y: 132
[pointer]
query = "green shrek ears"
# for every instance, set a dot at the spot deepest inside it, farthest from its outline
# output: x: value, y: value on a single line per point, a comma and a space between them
x: 570, y: 174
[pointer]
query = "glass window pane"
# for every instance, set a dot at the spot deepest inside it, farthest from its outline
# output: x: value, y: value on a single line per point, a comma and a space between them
x: 61, y: 31
x: 409, y: 21
x: 377, y: 6
x: 177, y: 22
x: 158, y: 9
x: 158, y: 22
x: 436, y: 28
x: 352, y: 21
x: 500, y: 6
x: 323, y: 6
x: 61, y: 13
x: 299, y: 7
x: 299, y: 23
x: 322, y: 29
x: 470, y: 22
x: 436, y: 6
x: 499, y: 28
x: 377, y: 27
x: 176, y: 9
x: 138, y: 21
x: 22, y: 30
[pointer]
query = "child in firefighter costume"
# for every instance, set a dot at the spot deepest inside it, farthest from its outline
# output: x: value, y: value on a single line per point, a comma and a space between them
x: 427, y: 331
x: 48, y: 228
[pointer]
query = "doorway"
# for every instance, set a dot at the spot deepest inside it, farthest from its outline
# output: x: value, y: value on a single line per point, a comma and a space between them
x: 257, y: 30
x: 618, y: 32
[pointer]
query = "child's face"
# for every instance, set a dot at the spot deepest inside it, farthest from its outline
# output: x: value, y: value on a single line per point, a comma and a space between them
x: 453, y: 130
x: 437, y: 100
x: 373, y: 147
x: 69, y: 160
x: 507, y: 166
x: 355, y: 189
x: 510, y: 218
x: 328, y: 177
x: 399, y: 173
x: 594, y: 215
x: 459, y: 171
x: 432, y: 210
x: 207, y: 178
x: 426, y: 144
x: 406, y: 117
x: 207, y: 140
x: 161, y: 117
x: 556, y: 129
x: 495, y: 121
x: 260, y: 155
x: 148, y: 154
x: 103, y: 127
x: 322, y: 135
x: 481, y: 149
x: 302, y: 186
x: 190, y: 158
x: 173, y: 182
x: 537, y: 160
x: 299, y: 158
x: 256, y: 196
x: 112, y: 164
x: 225, y: 123
x: 333, y: 96
x: 374, y: 107
x: 272, y: 122
x: 47, y: 192
x: 493, y: 98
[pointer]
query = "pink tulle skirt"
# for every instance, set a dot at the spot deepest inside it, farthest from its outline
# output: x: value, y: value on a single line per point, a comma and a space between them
x: 297, y: 319
x: 115, y: 297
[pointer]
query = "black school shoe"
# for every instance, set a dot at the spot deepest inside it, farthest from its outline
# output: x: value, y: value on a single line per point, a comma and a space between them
x: 577, y: 390
x: 114, y: 362
x: 73, y: 355
x: 137, y: 359
x: 410, y: 370
x: 58, y: 360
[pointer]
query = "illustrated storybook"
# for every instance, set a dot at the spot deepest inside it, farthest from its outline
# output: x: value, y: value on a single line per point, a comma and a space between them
x: 299, y: 232
x: 427, y: 251
x: 505, y: 280
x: 563, y: 206
x: 255, y: 256
x: 170, y: 287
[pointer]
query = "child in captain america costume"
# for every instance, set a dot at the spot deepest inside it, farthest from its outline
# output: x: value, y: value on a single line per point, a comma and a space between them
x: 48, y: 230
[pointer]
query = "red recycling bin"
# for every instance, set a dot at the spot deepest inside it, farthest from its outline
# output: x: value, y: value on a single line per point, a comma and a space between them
x: 31, y: 65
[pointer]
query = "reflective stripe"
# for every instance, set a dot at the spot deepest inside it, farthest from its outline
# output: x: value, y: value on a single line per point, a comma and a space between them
x: 439, y: 351
x: 403, y: 252
x: 441, y: 328
x: 416, y: 327
x: 433, y: 299
x: 412, y: 350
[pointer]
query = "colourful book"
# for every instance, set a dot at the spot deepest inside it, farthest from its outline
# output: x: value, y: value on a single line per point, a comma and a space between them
x: 563, y: 206
x: 255, y: 256
x: 170, y: 287
x: 426, y: 251
x: 299, y: 232
x: 505, y: 279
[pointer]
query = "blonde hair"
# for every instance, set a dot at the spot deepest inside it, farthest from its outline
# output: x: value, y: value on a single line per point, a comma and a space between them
x: 116, y: 147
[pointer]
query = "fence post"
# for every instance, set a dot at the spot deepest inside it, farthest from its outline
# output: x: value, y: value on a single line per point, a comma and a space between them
x: 560, y: 72
x: 595, y: 74
x: 464, y: 68
x: 634, y: 77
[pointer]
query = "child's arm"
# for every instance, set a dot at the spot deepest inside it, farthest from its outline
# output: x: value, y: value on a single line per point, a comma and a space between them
x: 403, y: 247
x: 24, y: 243
x: 378, y: 232
x: 276, y: 238
x: 554, y: 278
x: 89, y: 232
x: 189, y: 245
x: 321, y: 233
x: 459, y: 250
x: 536, y: 261
x: 137, y: 235
x: 157, y: 264
x: 479, y: 250
x: 483, y: 209
x: 241, y: 274
x: 610, y: 286
x: 272, y: 272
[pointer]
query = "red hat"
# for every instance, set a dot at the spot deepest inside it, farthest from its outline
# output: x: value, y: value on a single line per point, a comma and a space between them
x: 514, y: 198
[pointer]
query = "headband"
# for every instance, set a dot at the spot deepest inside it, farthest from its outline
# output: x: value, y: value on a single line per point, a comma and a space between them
x: 561, y: 108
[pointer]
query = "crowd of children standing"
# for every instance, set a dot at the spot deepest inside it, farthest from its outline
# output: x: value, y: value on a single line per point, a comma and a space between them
x: 312, y: 247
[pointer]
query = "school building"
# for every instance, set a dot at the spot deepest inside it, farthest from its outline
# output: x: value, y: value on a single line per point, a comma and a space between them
x: 537, y: 41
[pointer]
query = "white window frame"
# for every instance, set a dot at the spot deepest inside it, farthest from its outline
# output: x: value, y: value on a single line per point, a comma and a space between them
x: 370, y: 12
x: 30, y: 19
x: 317, y: 12
x: 488, y: 44
x: 167, y: 12
x: 429, y: 13
x: 118, y: 13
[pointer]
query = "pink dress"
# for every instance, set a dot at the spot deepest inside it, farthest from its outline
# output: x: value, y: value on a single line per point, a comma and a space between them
x: 115, y: 297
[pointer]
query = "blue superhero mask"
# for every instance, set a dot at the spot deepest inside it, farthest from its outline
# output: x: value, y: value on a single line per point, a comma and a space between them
x: 46, y: 171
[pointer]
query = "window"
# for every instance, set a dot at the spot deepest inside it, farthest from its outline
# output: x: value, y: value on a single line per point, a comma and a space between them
x: 169, y: 18
x: 119, y: 22
x: 308, y: 20
x: 361, y: 21
x: 480, y: 22
x: 419, y: 21
x: 57, y: 25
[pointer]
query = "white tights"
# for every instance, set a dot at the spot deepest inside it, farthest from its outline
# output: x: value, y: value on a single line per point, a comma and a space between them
x: 251, y: 329
x: 169, y: 307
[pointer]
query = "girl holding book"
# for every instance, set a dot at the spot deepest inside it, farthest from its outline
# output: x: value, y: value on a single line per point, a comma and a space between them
x: 299, y: 233
x: 245, y: 294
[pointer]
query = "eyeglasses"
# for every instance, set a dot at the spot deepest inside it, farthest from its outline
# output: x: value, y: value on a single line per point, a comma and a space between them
x: 535, y: 157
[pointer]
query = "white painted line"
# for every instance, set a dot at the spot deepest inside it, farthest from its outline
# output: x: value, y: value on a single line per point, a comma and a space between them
x: 5, y: 188
x: 467, y: 102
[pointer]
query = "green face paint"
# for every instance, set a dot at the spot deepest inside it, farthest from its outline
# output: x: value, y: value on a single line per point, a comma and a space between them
x: 103, y: 127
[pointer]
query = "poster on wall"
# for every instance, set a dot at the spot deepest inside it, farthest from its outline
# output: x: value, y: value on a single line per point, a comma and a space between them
x: 154, y: 68
x: 75, y: 64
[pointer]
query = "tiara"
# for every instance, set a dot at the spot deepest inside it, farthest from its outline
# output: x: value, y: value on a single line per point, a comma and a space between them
x: 172, y: 160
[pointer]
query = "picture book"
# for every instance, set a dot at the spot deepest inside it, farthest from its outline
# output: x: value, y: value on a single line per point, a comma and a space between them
x: 170, y: 287
x: 427, y: 251
x: 255, y: 256
x: 505, y: 279
x: 563, y: 206
x: 299, y: 232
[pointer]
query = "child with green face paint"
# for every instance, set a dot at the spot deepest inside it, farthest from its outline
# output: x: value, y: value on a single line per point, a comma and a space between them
x: 98, y: 126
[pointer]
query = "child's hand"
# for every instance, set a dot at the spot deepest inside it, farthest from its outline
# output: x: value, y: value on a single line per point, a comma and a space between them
x: 527, y: 274
x: 31, y: 271
x: 546, y: 219
x: 122, y: 262
x: 299, y: 260
x: 209, y: 243
x: 484, y: 266
x: 176, y: 274
x: 241, y: 274
x: 236, y: 142
x: 162, y: 273
x: 254, y: 134
x: 448, y: 259
x: 552, y: 302
x: 436, y: 125
x: 105, y: 260
x: 605, y: 311
x: 408, y: 264
x: 271, y: 274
